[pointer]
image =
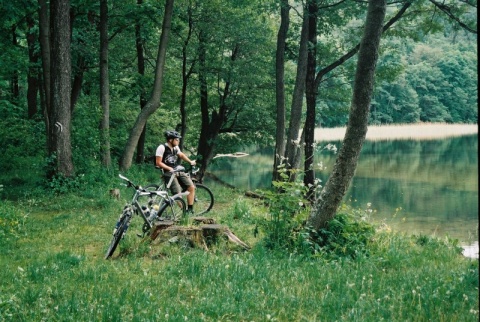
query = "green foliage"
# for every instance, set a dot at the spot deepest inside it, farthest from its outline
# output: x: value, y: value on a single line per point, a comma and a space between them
x: 56, y: 271
x: 288, y: 209
x: 346, y: 235
x: 60, y: 184
x: 436, y: 85
x: 242, y: 210
x: 12, y: 223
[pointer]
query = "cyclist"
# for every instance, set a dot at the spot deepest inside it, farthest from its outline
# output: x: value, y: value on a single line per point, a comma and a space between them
x: 166, y: 158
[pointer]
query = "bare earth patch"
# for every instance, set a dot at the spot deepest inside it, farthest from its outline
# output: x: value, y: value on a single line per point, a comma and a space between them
x: 421, y: 131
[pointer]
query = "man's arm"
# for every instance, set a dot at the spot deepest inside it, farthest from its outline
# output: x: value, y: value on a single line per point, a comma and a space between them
x: 184, y: 157
x: 160, y: 164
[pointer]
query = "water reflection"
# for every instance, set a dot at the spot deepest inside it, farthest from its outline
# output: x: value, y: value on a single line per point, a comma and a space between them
x: 434, y: 182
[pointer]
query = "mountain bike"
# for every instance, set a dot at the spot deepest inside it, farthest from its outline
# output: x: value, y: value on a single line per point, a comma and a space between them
x: 151, y: 206
x: 204, y: 199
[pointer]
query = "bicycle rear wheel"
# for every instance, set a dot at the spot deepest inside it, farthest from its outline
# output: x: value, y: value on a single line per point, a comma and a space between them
x: 119, y: 233
x: 173, y: 210
x: 203, y: 199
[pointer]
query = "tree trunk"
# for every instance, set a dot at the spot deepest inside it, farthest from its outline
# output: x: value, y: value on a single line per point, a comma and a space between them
x: 14, y: 80
x: 104, y: 86
x: 186, y: 73
x: 143, y: 100
x: 311, y: 96
x: 293, y: 147
x: 211, y: 124
x: 154, y: 101
x: 280, y: 88
x: 346, y: 163
x: 77, y: 81
x: 310, y: 120
x: 61, y: 86
x: 205, y: 135
x: 33, y: 71
x: 44, y: 27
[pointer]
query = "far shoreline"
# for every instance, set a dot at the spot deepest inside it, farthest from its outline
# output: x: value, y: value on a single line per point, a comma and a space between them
x: 418, y: 131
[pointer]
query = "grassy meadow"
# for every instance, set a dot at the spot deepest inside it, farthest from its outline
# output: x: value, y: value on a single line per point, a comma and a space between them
x: 53, y: 269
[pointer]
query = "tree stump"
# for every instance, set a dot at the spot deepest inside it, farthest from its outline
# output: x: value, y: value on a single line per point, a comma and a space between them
x: 211, y: 232
x: 188, y: 235
x: 203, y: 220
x: 158, y: 227
x: 200, y: 236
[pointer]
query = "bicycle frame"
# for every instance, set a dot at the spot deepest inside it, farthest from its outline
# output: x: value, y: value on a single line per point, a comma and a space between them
x: 203, y: 195
x: 136, y: 208
x: 140, y: 192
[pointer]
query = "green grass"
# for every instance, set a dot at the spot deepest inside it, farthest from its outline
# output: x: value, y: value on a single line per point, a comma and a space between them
x: 53, y: 270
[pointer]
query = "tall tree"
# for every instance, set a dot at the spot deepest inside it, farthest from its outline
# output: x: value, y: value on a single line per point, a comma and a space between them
x: 346, y: 163
x: 187, y: 71
x: 233, y: 48
x: 104, y: 86
x: 154, y: 101
x: 313, y: 83
x: 33, y: 69
x: 141, y: 71
x: 14, y: 78
x: 311, y: 95
x: 61, y: 88
x: 44, y: 30
x: 280, y: 87
x: 293, y: 150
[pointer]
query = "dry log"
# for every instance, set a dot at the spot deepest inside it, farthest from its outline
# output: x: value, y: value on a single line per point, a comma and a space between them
x: 233, y: 238
x: 255, y: 195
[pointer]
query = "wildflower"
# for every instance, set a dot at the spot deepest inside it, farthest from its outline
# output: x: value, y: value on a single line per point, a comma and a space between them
x: 320, y: 165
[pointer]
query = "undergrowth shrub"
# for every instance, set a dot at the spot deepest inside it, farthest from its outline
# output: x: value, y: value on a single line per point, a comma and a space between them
x: 346, y: 235
x: 288, y: 209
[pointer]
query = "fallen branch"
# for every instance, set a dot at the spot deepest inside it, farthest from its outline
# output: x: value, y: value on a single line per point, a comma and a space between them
x: 231, y: 155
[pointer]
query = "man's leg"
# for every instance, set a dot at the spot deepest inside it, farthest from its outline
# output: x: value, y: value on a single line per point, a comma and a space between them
x: 187, y: 183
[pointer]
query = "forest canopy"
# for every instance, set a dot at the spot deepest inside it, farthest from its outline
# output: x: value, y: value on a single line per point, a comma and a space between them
x: 224, y: 53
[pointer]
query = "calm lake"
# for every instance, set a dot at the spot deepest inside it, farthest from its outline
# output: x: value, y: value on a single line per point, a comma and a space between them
x: 425, y: 187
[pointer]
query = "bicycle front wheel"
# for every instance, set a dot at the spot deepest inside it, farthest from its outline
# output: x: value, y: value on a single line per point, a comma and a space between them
x: 203, y: 199
x: 118, y: 234
x: 173, y: 211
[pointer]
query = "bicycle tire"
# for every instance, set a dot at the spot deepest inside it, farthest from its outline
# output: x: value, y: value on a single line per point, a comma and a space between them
x: 118, y: 235
x: 174, y: 213
x: 204, y: 199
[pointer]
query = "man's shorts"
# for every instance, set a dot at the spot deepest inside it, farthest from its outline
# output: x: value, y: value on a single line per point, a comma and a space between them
x: 181, y: 182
